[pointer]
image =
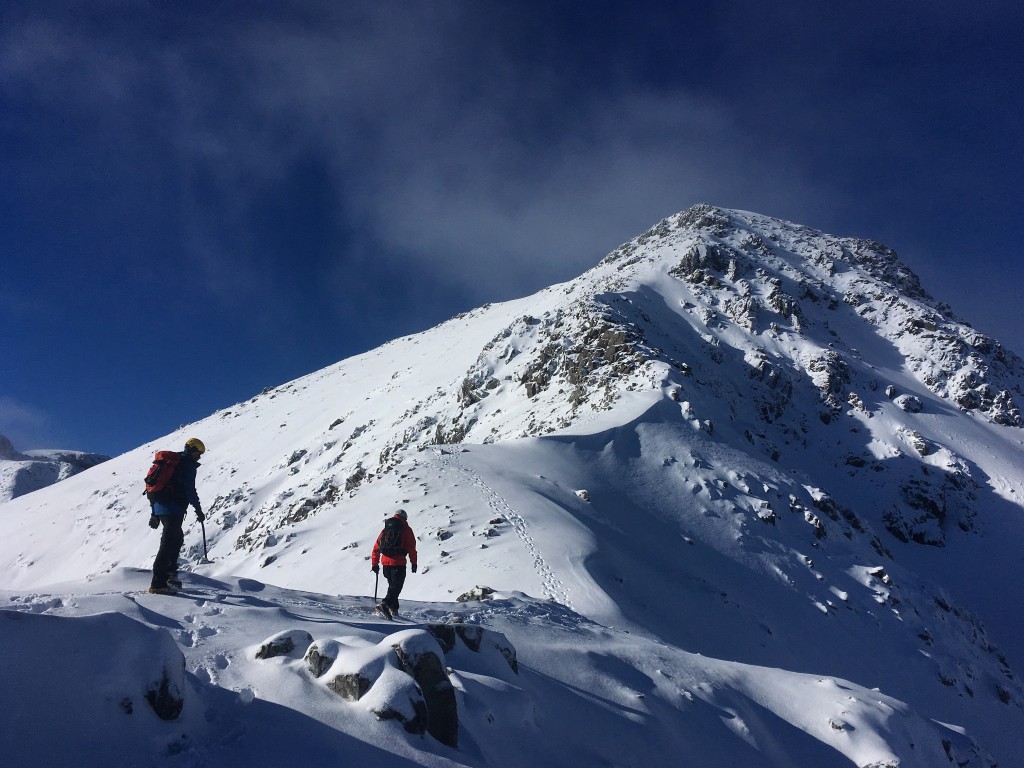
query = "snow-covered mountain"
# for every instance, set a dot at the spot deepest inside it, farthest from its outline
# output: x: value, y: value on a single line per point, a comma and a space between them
x: 746, y: 492
x: 22, y: 473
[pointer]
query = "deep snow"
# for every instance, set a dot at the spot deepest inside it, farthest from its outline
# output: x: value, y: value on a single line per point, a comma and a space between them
x: 79, y: 655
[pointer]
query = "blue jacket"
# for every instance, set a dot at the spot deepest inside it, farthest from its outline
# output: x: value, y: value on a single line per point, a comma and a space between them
x: 181, y: 492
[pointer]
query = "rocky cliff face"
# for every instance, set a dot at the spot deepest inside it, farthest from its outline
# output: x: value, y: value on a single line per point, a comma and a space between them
x: 794, y: 303
x: 782, y: 338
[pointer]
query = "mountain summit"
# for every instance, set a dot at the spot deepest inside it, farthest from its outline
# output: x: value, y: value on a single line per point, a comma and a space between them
x: 762, y: 447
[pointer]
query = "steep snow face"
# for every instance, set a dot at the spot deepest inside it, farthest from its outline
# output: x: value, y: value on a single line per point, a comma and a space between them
x: 22, y: 473
x: 735, y: 436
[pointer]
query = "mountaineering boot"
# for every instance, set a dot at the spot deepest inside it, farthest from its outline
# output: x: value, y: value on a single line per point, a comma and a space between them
x: 174, y: 583
x: 385, y: 611
x: 163, y: 591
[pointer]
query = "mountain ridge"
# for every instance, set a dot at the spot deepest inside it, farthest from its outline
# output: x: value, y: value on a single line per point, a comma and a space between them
x: 730, y: 417
x: 22, y: 473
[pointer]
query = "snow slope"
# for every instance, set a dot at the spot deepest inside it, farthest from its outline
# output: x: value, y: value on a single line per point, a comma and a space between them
x: 755, y: 457
x: 582, y: 692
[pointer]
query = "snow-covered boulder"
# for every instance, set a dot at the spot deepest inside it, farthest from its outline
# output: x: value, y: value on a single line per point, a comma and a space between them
x: 403, y: 677
x: 421, y: 657
x: 478, y: 640
x: 320, y: 656
x: 909, y: 403
x: 284, y: 644
x: 396, y: 696
x: 476, y: 593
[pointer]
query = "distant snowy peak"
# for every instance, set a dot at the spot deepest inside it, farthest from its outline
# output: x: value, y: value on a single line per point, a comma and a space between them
x: 22, y: 473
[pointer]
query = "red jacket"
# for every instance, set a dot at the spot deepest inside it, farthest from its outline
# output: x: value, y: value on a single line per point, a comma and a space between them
x: 408, y: 544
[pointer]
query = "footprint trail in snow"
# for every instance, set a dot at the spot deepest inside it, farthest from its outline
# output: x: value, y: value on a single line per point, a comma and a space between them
x: 552, y: 587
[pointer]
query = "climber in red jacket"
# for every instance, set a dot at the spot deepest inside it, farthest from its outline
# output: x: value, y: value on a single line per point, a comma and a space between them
x: 394, y: 544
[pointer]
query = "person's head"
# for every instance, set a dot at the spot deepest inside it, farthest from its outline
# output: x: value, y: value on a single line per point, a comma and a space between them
x: 194, y: 447
x: 401, y: 513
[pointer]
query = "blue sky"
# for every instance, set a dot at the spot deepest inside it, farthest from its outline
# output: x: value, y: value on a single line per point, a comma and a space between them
x: 202, y: 200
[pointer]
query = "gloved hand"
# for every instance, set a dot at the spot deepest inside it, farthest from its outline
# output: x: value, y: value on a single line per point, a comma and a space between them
x: 414, y: 567
x: 375, y: 568
x: 200, y: 516
x: 154, y: 522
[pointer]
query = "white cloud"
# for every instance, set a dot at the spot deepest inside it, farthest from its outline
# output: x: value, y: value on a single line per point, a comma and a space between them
x: 26, y: 426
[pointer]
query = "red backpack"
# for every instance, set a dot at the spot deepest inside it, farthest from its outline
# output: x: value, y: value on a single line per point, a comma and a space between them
x: 160, y: 474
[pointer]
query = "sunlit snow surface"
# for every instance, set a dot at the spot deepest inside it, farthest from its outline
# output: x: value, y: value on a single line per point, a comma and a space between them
x: 695, y: 535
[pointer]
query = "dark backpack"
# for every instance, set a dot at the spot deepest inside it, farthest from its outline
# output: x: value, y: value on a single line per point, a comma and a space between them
x: 161, y: 474
x: 391, y: 538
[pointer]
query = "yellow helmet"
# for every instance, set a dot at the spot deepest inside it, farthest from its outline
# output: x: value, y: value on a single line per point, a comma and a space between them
x: 195, y: 444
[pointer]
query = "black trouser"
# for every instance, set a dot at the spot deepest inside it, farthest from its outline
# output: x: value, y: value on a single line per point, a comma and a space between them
x: 165, y: 566
x: 395, y: 574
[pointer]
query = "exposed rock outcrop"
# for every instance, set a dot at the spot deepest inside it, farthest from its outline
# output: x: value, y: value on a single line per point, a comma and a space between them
x: 284, y: 644
x: 403, y: 678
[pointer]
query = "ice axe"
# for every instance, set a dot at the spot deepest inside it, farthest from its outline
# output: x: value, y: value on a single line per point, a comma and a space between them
x: 206, y: 557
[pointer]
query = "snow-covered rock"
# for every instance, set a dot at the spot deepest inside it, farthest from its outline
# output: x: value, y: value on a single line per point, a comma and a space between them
x: 909, y: 403
x: 286, y: 643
